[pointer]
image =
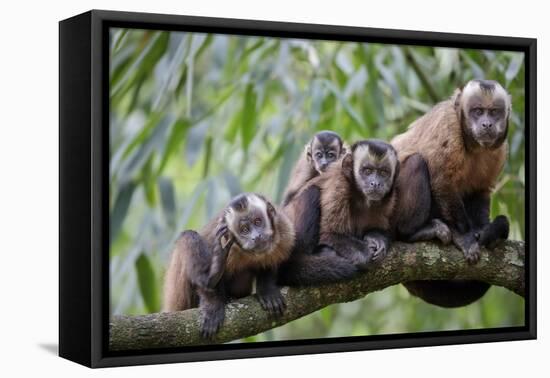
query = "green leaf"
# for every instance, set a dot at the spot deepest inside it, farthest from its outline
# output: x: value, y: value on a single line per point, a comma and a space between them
x: 347, y: 106
x: 167, y: 199
x: 233, y: 128
x: 148, y: 286
x: 133, y: 165
x: 173, y: 143
x: 514, y: 67
x: 248, y: 126
x: 232, y: 184
x: 120, y: 208
x: 194, y: 142
x: 149, y: 183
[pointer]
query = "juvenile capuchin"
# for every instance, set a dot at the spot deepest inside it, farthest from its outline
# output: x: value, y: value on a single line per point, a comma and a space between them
x: 325, y: 148
x: 463, y: 142
x: 342, y: 217
x: 248, y: 241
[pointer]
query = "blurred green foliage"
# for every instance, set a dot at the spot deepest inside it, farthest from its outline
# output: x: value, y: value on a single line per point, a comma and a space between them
x: 197, y: 118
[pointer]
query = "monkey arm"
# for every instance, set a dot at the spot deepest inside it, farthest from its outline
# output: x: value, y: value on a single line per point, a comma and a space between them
x: 453, y: 210
x: 219, y: 258
x: 212, y: 310
x: 269, y: 294
x: 455, y: 215
x: 477, y: 207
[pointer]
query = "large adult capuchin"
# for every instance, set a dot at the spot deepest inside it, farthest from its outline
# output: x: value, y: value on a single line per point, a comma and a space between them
x: 463, y: 142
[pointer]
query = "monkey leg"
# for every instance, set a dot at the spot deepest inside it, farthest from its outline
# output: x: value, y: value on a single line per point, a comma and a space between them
x: 434, y: 230
x: 349, y: 247
x: 307, y: 266
x: 189, y: 265
x: 322, y: 267
x: 268, y: 293
x: 212, y: 310
x: 494, y: 232
x: 488, y: 233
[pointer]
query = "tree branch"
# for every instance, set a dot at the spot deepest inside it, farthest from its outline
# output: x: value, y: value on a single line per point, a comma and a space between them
x: 503, y: 266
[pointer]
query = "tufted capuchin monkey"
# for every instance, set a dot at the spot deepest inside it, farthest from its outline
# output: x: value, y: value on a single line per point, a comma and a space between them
x: 343, y: 217
x: 248, y: 241
x: 325, y: 148
x: 463, y: 142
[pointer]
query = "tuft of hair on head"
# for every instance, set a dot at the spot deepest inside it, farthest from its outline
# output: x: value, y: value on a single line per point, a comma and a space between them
x: 486, y: 88
x: 327, y: 136
x: 376, y: 151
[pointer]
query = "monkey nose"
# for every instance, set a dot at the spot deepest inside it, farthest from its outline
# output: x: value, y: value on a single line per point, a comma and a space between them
x: 374, y: 184
x: 487, y: 125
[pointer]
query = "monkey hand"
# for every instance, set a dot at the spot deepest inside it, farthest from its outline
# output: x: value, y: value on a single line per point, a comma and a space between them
x: 222, y: 232
x: 469, y: 245
x: 211, y: 321
x: 377, y: 246
x: 273, y: 302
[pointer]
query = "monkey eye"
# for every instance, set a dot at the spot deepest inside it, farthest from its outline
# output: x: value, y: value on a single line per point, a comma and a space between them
x: 318, y: 155
x: 258, y: 221
x: 478, y: 111
x: 331, y: 155
x: 367, y: 171
x: 494, y: 112
x: 244, y: 229
x: 384, y: 173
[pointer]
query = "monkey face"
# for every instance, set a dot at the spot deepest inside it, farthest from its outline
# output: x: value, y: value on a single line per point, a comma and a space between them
x: 325, y: 148
x: 249, y: 219
x: 374, y: 168
x: 485, y: 109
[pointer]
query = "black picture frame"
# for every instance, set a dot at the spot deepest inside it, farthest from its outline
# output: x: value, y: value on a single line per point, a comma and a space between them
x: 83, y: 196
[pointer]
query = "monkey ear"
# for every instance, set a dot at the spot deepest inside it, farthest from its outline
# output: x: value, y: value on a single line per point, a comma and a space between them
x: 457, y: 97
x: 396, y: 173
x: 347, y: 166
x: 343, y: 151
x: 271, y: 209
x: 308, y: 153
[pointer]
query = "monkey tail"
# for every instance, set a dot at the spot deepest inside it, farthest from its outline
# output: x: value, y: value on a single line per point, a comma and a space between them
x: 448, y: 293
x: 178, y: 289
x: 316, y: 269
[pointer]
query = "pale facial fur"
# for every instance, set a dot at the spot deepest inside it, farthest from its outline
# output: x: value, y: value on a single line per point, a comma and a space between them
x: 374, y: 174
x: 485, y: 108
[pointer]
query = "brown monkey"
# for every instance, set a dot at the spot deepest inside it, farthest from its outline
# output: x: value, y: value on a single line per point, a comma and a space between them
x: 463, y: 142
x: 247, y: 241
x: 325, y: 148
x: 343, y: 217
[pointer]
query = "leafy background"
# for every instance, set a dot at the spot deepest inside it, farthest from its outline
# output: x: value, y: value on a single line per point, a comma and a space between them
x: 198, y: 118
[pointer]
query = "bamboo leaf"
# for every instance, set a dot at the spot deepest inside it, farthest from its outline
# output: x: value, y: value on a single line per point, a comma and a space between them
x: 147, y: 281
x: 168, y: 199
x: 248, y: 125
x: 120, y: 209
x: 513, y: 68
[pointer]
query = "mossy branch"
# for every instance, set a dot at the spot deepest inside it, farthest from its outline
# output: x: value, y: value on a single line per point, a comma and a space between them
x: 503, y: 266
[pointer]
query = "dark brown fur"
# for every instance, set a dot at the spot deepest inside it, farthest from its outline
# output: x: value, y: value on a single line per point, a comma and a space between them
x: 438, y: 137
x: 212, y: 266
x: 305, y: 168
x: 464, y: 165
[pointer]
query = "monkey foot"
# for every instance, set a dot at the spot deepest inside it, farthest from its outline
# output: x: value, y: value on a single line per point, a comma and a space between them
x: 210, y: 323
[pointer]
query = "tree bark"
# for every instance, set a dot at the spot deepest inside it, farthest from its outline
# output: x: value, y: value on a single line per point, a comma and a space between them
x: 503, y: 266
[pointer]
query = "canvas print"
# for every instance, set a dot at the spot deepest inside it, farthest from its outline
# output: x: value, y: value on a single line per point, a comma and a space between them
x: 269, y: 189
